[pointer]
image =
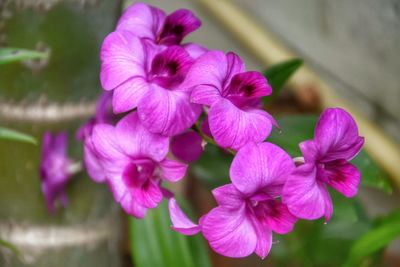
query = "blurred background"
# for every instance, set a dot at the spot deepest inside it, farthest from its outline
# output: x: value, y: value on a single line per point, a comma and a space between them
x: 351, y: 59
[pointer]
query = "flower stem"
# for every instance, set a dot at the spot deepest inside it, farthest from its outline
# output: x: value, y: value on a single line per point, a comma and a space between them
x: 208, y: 139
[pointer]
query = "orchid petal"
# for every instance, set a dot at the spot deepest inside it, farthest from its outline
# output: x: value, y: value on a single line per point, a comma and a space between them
x: 187, y: 146
x: 167, y: 112
x: 337, y: 136
x: 143, y: 20
x: 304, y: 196
x: 258, y: 166
x: 128, y: 94
x: 122, y: 57
x: 180, y: 222
x: 172, y: 170
x: 229, y: 233
x: 232, y: 127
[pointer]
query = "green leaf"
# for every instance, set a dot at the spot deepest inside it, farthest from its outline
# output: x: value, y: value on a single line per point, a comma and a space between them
x: 16, y: 136
x: 11, y: 247
x: 374, y: 240
x: 154, y: 243
x: 212, y: 169
x: 279, y: 74
x: 8, y: 55
x: 298, y: 128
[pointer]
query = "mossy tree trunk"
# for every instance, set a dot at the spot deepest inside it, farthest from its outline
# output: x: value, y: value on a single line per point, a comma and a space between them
x: 57, y: 94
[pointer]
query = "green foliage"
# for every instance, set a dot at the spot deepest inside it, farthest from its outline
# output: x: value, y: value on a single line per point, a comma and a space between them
x: 279, y: 74
x: 9, y: 55
x: 11, y: 247
x: 16, y: 136
x: 154, y: 243
x: 386, y: 230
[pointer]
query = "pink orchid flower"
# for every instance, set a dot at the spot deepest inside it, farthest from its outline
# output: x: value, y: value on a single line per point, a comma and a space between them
x: 234, y: 97
x: 248, y: 209
x: 148, y: 78
x: 336, y: 141
x: 134, y: 162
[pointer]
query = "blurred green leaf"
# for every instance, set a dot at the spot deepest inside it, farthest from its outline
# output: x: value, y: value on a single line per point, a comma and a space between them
x: 16, y: 136
x: 298, y: 128
x: 154, y: 243
x: 374, y: 240
x: 212, y: 169
x: 279, y: 74
x: 11, y: 247
x: 8, y: 55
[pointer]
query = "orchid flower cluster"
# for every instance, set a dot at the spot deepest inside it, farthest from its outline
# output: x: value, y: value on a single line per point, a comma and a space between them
x: 167, y: 99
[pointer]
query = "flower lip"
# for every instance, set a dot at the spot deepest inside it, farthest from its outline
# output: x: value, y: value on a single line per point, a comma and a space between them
x: 169, y: 67
x: 176, y: 26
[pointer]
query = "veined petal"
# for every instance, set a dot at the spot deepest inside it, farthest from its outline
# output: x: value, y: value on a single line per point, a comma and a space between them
x: 167, y: 112
x: 259, y: 166
x: 336, y: 135
x: 148, y: 195
x: 105, y: 142
x: 229, y: 233
x: 92, y: 162
x: 309, y: 150
x: 135, y: 140
x: 177, y: 25
x: 280, y: 220
x: 342, y: 176
x: 264, y: 239
x: 180, y: 222
x: 143, y: 20
x: 228, y: 196
x: 233, y: 128
x: 304, y: 196
x: 122, y: 56
x: 127, y: 95
x: 172, y: 170
x: 210, y: 74
x: 249, y: 84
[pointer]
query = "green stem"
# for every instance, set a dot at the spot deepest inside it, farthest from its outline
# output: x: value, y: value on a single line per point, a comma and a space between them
x: 208, y: 139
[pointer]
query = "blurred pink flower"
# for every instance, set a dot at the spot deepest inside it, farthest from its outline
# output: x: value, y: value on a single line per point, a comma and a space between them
x: 54, y: 167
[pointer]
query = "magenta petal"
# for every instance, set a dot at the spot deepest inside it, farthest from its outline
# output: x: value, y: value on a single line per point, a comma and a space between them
x: 127, y: 95
x: 177, y: 25
x: 136, y: 140
x: 122, y: 57
x: 187, y: 146
x: 143, y: 20
x: 92, y: 162
x: 280, y: 220
x: 232, y: 127
x: 264, y: 239
x: 210, y: 74
x: 195, y: 50
x: 172, y: 170
x: 342, y: 176
x: 229, y: 233
x: 149, y: 195
x: 259, y: 166
x: 167, y: 112
x: 249, y: 84
x: 105, y: 142
x: 228, y: 196
x: 132, y: 207
x: 337, y: 136
x: 309, y: 150
x: 180, y: 222
x: 304, y: 196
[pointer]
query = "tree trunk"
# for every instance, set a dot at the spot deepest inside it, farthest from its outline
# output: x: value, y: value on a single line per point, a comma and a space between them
x: 57, y: 94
